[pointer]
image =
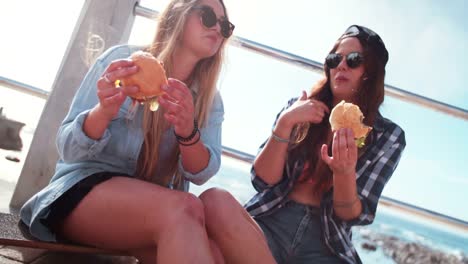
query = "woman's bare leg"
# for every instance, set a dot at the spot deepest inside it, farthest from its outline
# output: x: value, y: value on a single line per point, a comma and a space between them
x: 129, y: 214
x: 216, y: 251
x: 235, y: 232
x: 148, y: 255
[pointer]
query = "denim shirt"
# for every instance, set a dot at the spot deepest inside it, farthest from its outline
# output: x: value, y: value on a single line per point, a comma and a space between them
x: 117, y: 150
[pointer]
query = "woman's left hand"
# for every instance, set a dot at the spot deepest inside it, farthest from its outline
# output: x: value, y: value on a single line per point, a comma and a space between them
x: 178, y: 105
x: 344, y: 153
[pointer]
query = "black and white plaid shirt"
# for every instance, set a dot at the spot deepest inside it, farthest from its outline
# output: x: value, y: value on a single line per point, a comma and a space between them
x: 373, y: 170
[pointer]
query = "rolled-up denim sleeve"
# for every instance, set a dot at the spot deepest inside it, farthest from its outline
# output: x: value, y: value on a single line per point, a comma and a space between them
x: 211, y: 137
x: 75, y: 145
x: 72, y: 143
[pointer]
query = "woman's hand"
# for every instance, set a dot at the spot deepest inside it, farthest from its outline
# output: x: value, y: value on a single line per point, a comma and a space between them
x: 344, y: 153
x: 110, y: 97
x: 178, y: 105
x: 305, y: 110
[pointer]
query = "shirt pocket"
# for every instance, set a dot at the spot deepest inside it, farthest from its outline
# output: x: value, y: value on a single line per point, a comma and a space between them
x: 125, y: 142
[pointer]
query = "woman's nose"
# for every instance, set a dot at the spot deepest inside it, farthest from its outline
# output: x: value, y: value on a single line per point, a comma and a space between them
x: 342, y: 65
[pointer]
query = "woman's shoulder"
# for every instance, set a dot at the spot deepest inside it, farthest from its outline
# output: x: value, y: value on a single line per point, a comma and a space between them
x: 119, y: 52
x: 383, y: 123
x: 387, y: 126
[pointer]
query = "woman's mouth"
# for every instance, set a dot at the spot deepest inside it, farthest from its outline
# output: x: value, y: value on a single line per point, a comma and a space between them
x: 341, y: 78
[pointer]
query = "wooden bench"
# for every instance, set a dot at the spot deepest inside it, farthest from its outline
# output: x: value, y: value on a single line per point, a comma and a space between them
x: 14, y: 232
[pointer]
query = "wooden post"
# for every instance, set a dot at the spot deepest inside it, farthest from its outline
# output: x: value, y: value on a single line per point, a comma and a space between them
x: 102, y: 24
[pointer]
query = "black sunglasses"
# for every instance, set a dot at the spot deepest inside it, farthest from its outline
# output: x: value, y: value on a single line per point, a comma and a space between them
x: 209, y: 20
x: 353, y: 59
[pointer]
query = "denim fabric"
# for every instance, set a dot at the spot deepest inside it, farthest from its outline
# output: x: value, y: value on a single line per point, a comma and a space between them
x: 117, y: 150
x: 294, y: 235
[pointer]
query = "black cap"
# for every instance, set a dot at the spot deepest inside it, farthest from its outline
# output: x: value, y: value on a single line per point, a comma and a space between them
x: 368, y: 36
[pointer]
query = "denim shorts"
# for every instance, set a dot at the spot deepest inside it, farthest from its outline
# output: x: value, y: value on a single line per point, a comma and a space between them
x: 294, y: 235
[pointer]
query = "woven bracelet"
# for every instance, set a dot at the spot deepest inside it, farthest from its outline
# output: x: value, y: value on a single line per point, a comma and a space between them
x: 193, y: 143
x: 191, y: 136
x: 279, y: 139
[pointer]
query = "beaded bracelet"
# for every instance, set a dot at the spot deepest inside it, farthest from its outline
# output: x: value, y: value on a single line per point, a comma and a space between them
x: 191, y: 136
x: 193, y: 143
x: 279, y: 139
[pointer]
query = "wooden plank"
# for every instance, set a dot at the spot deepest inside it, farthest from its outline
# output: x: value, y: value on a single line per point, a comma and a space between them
x: 13, y: 232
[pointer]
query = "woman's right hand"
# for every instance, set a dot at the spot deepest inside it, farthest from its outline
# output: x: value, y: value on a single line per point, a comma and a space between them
x: 110, y: 97
x: 304, y: 110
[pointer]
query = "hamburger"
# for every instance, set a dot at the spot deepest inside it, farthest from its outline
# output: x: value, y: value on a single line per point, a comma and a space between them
x: 149, y: 78
x: 348, y: 115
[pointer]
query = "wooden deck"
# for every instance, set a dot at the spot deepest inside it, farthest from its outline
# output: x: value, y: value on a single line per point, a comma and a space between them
x: 18, y: 246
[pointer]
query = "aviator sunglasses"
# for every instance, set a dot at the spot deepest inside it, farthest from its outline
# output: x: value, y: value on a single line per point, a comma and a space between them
x: 209, y: 20
x: 353, y: 59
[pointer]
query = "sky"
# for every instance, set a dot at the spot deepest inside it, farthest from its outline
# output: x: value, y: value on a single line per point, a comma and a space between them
x: 426, y: 39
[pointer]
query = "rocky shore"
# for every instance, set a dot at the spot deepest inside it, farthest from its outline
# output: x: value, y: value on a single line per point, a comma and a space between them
x: 405, y: 252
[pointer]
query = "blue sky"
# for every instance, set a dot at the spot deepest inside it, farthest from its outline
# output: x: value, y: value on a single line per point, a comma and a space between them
x: 427, y: 42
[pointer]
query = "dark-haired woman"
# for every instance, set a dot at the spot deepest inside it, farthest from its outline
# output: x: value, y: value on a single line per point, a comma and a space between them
x: 313, y: 183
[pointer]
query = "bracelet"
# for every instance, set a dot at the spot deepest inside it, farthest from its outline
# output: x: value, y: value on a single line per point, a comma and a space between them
x: 191, y: 136
x: 346, y: 204
x: 193, y: 143
x: 279, y: 139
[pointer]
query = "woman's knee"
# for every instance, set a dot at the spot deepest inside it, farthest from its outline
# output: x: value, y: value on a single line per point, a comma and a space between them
x: 192, y: 207
x: 184, y: 207
x: 219, y: 204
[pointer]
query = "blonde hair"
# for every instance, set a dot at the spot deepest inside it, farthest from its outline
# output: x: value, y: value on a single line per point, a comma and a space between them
x: 170, y: 29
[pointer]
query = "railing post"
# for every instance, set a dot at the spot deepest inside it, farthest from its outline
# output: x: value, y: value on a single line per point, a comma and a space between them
x: 102, y: 23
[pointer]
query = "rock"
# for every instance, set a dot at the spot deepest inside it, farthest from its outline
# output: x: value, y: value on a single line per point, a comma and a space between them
x: 9, y: 133
x: 12, y: 158
x: 369, y: 246
x: 403, y: 252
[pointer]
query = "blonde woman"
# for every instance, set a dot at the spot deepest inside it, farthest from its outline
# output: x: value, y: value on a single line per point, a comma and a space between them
x: 121, y: 179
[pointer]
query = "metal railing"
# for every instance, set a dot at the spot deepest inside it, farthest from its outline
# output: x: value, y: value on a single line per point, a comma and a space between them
x: 283, y: 56
x: 318, y: 68
x: 24, y: 88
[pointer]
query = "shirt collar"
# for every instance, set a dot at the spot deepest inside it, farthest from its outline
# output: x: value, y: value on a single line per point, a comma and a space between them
x: 379, y: 124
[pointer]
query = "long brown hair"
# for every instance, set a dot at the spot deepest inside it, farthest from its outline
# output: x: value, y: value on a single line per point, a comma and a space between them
x: 369, y: 97
x: 169, y: 31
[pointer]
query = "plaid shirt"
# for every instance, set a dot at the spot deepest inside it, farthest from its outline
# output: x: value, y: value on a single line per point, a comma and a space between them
x: 374, y: 168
